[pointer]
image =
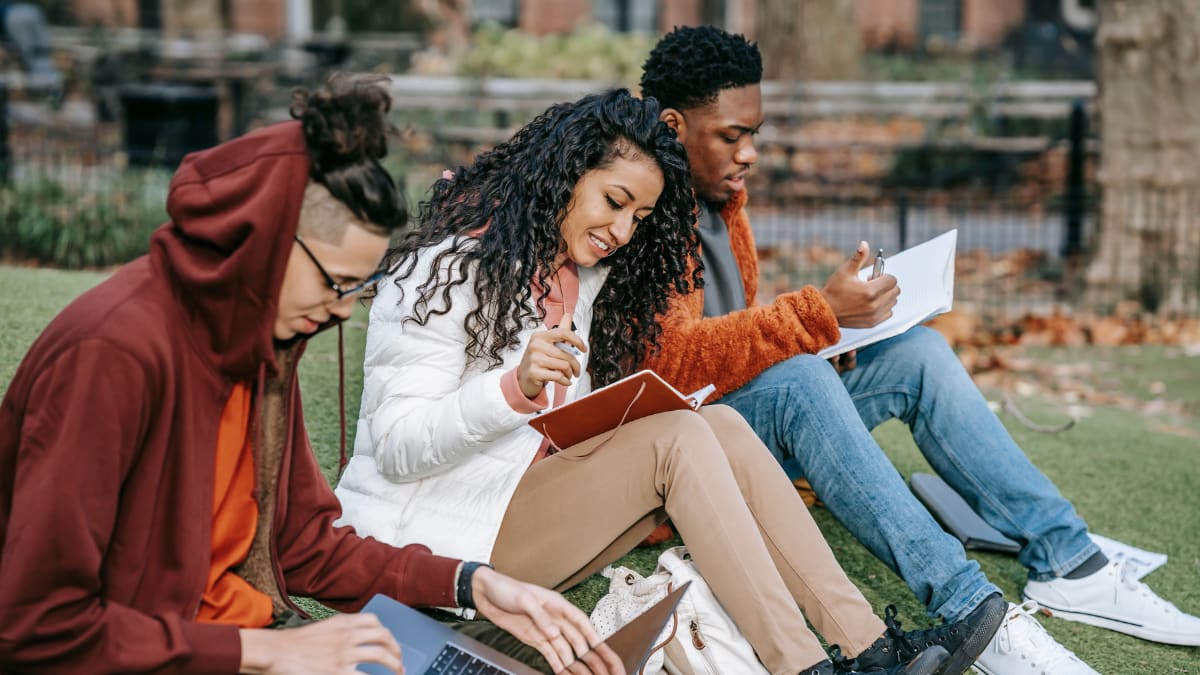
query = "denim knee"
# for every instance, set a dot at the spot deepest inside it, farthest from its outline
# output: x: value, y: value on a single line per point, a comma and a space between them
x: 920, y: 346
x: 803, y: 370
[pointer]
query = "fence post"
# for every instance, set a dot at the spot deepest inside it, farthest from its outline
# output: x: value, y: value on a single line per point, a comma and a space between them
x: 1074, y: 197
x: 902, y: 219
x: 624, y: 16
x: 5, y: 153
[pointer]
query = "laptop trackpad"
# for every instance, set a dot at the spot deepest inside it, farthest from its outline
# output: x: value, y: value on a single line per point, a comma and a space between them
x: 415, y: 660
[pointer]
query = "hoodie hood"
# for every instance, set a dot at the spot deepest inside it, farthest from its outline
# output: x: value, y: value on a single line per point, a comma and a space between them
x: 234, y: 210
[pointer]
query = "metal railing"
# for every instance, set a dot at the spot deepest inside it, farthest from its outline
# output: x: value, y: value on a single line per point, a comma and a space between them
x: 1019, y: 252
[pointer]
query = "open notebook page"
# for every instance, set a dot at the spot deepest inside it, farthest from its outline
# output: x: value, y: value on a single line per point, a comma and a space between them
x: 925, y: 274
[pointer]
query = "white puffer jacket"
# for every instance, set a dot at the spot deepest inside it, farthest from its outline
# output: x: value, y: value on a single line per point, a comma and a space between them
x: 439, y: 451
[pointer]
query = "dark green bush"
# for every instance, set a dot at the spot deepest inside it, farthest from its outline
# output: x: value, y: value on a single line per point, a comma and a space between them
x: 73, y: 228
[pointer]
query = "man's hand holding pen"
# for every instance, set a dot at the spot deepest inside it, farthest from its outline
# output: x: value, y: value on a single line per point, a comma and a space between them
x: 859, y: 303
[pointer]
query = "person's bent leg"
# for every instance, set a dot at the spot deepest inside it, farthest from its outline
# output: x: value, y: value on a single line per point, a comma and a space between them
x: 570, y: 508
x: 804, y: 415
x: 916, y: 377
x: 832, y: 603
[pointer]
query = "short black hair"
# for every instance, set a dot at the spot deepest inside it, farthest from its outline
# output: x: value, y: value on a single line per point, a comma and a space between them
x: 690, y: 66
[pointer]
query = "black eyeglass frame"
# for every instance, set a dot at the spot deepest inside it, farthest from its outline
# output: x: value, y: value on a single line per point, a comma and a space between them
x: 335, y: 286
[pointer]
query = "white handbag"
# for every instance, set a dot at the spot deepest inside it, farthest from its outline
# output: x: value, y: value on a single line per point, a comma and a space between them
x: 630, y: 594
x: 700, y: 639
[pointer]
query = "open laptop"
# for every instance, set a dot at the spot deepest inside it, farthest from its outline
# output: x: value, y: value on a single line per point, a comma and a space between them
x: 431, y: 648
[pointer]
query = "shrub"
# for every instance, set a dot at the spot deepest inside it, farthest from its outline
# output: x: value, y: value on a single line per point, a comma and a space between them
x: 75, y: 227
x: 589, y: 53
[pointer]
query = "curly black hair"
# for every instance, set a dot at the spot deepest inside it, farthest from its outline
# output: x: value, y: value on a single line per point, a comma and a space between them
x: 690, y: 66
x: 345, y: 128
x: 503, y: 213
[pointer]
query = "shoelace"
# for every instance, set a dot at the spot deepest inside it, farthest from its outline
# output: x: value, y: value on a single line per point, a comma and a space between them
x: 1021, y: 629
x: 841, y: 664
x: 910, y: 644
x: 1127, y: 577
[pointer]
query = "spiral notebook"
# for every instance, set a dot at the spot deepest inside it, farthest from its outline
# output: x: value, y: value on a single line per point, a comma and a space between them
x: 639, y: 395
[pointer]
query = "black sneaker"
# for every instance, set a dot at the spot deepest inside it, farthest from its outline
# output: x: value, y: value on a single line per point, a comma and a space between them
x: 924, y: 663
x: 965, y: 640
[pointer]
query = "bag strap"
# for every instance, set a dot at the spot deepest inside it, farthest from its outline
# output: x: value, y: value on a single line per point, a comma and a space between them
x: 611, y: 434
x: 667, y: 641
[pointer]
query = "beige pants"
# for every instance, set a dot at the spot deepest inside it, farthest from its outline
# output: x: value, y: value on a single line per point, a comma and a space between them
x: 748, y: 531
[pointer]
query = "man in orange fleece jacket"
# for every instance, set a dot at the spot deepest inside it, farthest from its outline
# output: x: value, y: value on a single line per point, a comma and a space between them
x: 816, y: 416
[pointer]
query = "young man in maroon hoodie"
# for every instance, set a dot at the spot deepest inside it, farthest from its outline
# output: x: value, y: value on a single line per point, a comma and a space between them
x: 159, y: 499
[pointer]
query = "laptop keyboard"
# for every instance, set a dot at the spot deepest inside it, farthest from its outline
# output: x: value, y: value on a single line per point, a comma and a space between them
x: 454, y: 661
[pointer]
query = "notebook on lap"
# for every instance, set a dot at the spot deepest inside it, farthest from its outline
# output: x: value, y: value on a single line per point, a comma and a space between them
x: 431, y: 648
x: 639, y: 395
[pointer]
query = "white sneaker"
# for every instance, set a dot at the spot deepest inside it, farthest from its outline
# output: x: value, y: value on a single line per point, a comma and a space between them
x: 1022, y: 647
x: 1113, y: 598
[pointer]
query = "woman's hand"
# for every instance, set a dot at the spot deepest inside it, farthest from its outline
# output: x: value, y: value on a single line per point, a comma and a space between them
x: 334, y: 645
x: 544, y: 620
x: 544, y: 361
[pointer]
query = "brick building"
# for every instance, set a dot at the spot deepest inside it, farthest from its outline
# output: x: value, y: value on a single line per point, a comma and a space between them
x: 273, y: 19
x: 899, y: 24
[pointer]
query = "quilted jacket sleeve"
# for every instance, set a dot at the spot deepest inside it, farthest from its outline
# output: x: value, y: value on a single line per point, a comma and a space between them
x: 423, y: 409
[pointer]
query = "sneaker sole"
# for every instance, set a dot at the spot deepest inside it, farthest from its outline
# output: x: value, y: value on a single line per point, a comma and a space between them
x: 1136, y: 630
x: 961, y: 659
x: 929, y: 662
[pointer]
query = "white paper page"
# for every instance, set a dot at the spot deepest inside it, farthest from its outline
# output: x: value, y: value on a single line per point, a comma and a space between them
x: 925, y: 274
x: 1142, y: 562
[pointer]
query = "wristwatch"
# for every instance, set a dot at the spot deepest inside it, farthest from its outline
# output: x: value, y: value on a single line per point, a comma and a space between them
x: 463, y: 593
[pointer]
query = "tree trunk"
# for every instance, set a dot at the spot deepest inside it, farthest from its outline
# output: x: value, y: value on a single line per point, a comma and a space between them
x: 1149, y: 102
x: 808, y: 39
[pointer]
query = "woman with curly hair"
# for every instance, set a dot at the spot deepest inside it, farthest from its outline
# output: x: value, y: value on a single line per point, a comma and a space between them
x: 536, y: 273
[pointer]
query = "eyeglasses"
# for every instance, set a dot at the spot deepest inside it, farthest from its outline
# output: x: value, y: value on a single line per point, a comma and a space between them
x: 335, y: 286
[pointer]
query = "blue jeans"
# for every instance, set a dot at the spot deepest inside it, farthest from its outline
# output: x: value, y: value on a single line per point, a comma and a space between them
x: 817, y: 425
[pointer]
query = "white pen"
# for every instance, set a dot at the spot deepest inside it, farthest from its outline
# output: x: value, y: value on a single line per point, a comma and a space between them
x: 569, y: 348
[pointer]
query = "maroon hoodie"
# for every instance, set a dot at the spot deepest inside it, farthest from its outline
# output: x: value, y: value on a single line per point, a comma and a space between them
x: 108, y: 437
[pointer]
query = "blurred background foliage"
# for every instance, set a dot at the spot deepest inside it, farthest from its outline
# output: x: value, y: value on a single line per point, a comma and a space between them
x: 49, y: 222
x: 589, y: 53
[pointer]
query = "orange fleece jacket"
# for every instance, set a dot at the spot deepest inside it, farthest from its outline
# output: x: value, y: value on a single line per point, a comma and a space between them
x: 729, y: 351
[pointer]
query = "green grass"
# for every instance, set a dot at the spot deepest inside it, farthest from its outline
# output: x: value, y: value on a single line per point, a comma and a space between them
x: 1133, y: 476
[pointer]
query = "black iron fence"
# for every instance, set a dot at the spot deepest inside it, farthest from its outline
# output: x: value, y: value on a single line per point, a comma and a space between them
x: 1012, y: 254
x: 1025, y: 209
